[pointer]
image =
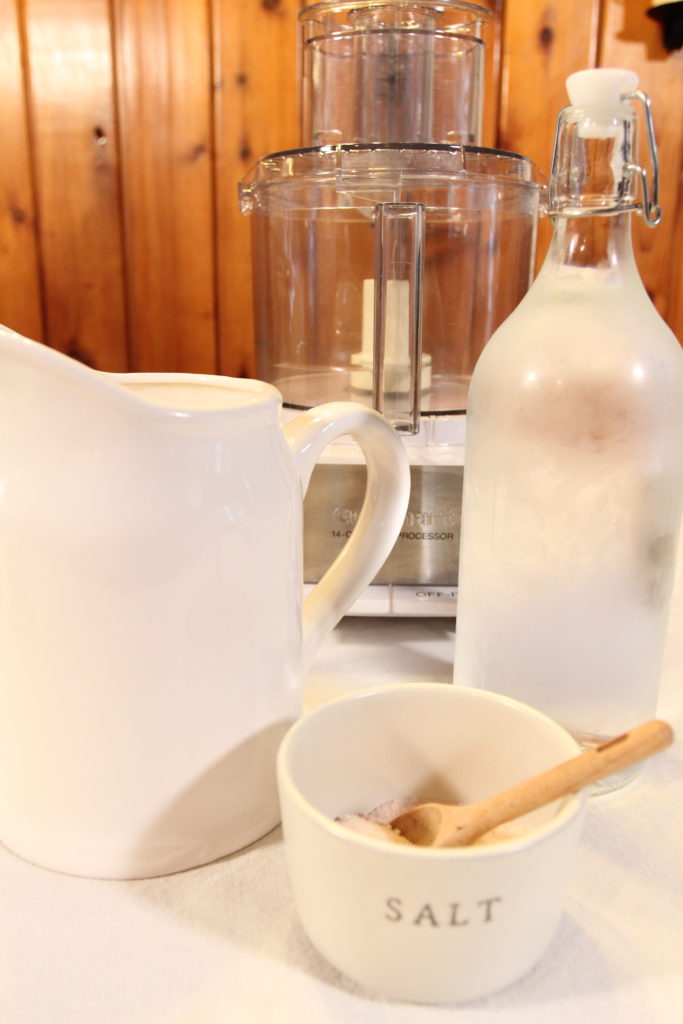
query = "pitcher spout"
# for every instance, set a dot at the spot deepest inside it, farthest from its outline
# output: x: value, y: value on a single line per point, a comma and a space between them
x: 34, y: 372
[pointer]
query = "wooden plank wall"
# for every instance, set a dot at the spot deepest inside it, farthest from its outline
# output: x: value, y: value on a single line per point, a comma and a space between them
x: 549, y: 41
x: 125, y: 126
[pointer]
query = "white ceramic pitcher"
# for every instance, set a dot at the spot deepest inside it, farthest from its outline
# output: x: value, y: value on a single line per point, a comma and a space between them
x: 152, y: 638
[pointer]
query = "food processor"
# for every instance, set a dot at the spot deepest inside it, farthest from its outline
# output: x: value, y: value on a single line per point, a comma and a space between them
x: 385, y: 253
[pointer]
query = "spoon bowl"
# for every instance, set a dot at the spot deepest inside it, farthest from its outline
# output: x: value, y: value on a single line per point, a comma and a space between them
x: 437, y: 824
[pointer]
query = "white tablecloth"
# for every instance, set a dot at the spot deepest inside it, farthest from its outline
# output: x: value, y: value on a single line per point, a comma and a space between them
x: 222, y: 942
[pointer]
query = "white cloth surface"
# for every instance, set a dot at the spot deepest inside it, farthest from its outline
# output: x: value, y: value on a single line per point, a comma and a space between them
x: 222, y: 942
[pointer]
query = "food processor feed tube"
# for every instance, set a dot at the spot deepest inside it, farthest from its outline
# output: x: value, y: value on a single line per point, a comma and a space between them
x: 392, y: 71
x: 574, y: 457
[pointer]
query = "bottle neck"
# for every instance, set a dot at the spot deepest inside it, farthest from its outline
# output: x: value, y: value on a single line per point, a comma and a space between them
x: 600, y: 242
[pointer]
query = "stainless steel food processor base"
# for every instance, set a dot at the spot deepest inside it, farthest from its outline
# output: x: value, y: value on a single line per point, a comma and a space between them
x: 403, y: 601
x: 419, y: 578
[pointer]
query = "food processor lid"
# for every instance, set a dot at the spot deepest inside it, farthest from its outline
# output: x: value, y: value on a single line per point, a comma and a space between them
x: 396, y: 166
x: 326, y: 11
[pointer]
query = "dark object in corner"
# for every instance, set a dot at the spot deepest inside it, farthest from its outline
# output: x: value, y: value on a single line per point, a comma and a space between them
x: 670, y: 15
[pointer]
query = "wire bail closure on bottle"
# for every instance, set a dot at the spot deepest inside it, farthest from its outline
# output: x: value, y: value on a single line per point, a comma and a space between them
x: 651, y: 210
x: 575, y: 191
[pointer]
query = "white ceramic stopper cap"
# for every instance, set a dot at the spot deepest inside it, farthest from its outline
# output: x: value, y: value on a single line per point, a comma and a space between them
x: 600, y: 87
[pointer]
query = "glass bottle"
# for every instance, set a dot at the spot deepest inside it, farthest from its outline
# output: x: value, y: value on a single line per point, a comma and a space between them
x: 573, y: 481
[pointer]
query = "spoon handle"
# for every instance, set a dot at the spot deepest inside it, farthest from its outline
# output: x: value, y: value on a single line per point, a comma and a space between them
x: 593, y: 764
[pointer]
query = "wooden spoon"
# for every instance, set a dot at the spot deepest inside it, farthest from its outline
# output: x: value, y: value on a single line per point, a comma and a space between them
x: 433, y: 824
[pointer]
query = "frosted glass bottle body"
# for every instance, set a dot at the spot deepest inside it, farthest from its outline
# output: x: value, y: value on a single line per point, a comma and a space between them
x: 573, y: 491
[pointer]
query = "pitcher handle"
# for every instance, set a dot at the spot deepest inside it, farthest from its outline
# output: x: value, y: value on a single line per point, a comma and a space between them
x: 384, y: 507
